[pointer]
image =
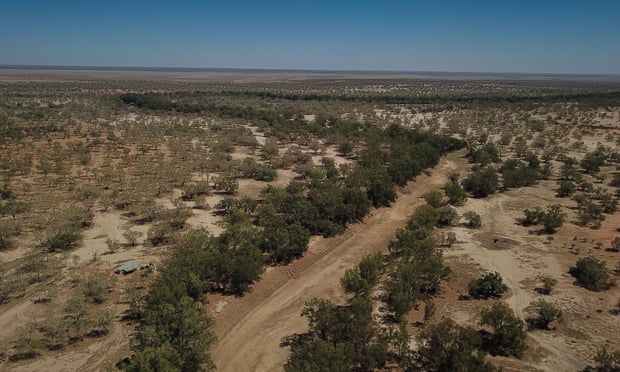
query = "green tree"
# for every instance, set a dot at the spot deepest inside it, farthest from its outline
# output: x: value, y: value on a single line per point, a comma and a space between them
x: 319, y: 355
x: 489, y: 285
x: 361, y: 279
x: 446, y: 346
x: 424, y: 217
x: 13, y: 207
x: 481, y: 182
x: 380, y: 189
x: 533, y: 217
x: 592, y: 274
x: 345, y: 148
x: 76, y: 316
x: 593, y: 161
x: 455, y: 193
x: 174, y: 334
x: 160, y: 233
x: 414, y: 279
x: 507, y: 335
x: 163, y: 358
x: 434, y: 198
x: 553, y: 218
x: 350, y: 329
x: 608, y: 203
x: 446, y: 216
x: 62, y: 238
x: 567, y: 188
x: 588, y: 212
x: 486, y: 154
x: 284, y: 241
x: 226, y: 183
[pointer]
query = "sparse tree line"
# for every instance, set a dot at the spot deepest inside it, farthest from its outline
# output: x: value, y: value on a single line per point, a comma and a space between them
x: 350, y: 337
x: 186, y: 101
x: 592, y: 202
x: 322, y: 203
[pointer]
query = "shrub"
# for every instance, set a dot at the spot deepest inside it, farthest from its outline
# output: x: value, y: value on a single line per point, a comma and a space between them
x: 551, y: 220
x: 490, y: 285
x: 606, y: 361
x: 589, y: 212
x: 96, y: 286
x: 567, y: 188
x: 132, y: 236
x: 486, y: 154
x: 86, y: 193
x: 592, y: 274
x: 473, y: 219
x: 192, y: 190
x: 615, y: 244
x: 548, y: 284
x: 446, y: 216
x: 433, y: 198
x: 26, y: 346
x: 54, y: 330
x: 62, y: 239
x: 519, y: 175
x: 226, y: 184
x: 533, y: 217
x: 593, y: 161
x: 160, y: 233
x: 608, y: 203
x: 8, y: 229
x: 113, y: 245
x: 455, y: 192
x: 554, y: 218
x: 543, y: 313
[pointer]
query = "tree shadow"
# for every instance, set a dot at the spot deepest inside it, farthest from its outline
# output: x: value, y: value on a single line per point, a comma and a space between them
x: 24, y: 355
x: 295, y: 339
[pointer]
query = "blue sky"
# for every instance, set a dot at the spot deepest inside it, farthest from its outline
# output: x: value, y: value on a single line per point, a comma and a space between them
x: 546, y: 36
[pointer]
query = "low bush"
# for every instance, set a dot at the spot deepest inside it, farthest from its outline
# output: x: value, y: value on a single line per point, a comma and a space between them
x: 490, y: 285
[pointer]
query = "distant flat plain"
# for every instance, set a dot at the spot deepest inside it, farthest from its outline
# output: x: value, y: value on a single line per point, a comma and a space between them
x: 79, y: 73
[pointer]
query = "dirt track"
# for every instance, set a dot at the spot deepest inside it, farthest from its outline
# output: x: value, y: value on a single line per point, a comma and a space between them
x: 250, y: 329
x: 524, y: 262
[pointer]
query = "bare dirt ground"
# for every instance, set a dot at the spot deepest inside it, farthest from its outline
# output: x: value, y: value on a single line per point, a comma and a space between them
x: 521, y: 255
x: 253, y: 326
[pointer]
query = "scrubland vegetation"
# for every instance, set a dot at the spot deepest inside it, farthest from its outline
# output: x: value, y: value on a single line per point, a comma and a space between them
x: 222, y: 186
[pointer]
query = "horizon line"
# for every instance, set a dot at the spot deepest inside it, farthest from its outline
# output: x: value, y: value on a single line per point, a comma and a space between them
x: 287, y: 70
